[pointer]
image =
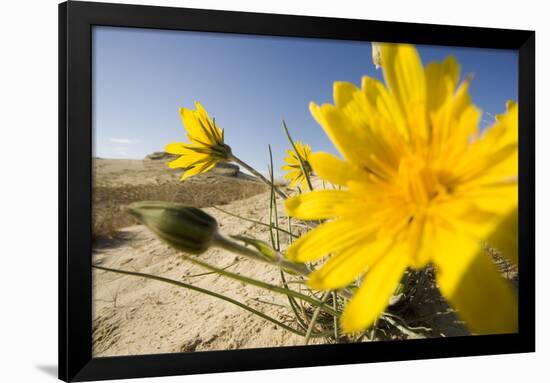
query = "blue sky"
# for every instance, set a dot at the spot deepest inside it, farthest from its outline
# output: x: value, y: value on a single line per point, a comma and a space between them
x: 249, y: 84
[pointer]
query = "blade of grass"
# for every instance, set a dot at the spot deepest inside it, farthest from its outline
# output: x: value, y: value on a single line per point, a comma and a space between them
x: 268, y: 303
x: 276, y: 214
x: 293, y: 305
x: 210, y: 272
x: 253, y: 221
x: 314, y: 319
x: 261, y: 284
x: 271, y: 235
x: 207, y: 292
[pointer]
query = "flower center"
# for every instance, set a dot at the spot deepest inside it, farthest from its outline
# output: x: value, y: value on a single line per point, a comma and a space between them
x: 420, y: 184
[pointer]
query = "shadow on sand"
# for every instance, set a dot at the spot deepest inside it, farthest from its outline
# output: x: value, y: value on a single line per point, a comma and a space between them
x: 119, y: 238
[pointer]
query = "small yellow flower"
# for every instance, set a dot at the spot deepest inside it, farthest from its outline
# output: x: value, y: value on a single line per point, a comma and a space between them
x: 294, y: 170
x: 206, y: 147
x: 422, y: 185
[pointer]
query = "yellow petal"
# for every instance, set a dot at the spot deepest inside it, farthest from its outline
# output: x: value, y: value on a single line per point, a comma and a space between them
x: 375, y: 292
x: 329, y: 238
x: 441, y: 81
x: 349, y: 264
x: 208, y: 124
x: 505, y: 236
x: 191, y: 124
x: 201, y: 110
x: 343, y: 93
x: 384, y: 104
x: 319, y: 204
x: 357, y: 129
x: 201, y: 168
x: 404, y: 74
x: 344, y: 134
x: 177, y: 148
x: 497, y: 198
x: 333, y: 169
x: 188, y: 160
x: 494, y: 155
x: 293, y: 161
x: 302, y: 150
x: 293, y: 177
x: 471, y: 283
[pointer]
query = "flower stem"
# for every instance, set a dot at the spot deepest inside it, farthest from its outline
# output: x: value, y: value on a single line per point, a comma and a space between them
x: 258, y: 175
x: 225, y: 243
x: 299, y: 268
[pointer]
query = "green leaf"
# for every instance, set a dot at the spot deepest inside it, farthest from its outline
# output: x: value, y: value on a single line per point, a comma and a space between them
x: 259, y: 245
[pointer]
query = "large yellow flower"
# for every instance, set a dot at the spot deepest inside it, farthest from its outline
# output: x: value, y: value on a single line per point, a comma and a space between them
x: 206, y: 146
x: 422, y: 185
x: 295, y: 174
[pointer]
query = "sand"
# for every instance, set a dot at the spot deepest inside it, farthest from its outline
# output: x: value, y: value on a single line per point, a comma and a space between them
x: 134, y: 315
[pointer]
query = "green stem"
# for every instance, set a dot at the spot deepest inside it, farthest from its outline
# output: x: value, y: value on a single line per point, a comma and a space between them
x: 257, y: 174
x: 293, y: 304
x: 253, y: 221
x: 314, y: 318
x: 290, y: 235
x: 281, y: 262
x: 271, y: 235
x: 207, y: 292
x: 263, y: 285
x: 210, y: 272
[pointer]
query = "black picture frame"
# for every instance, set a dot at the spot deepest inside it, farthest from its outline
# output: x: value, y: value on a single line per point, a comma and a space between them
x: 75, y: 164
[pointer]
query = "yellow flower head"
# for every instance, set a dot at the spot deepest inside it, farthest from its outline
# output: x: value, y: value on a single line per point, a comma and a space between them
x: 422, y: 184
x: 293, y: 167
x: 206, y: 147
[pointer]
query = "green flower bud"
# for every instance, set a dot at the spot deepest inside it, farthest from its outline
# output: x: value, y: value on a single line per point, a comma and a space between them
x: 185, y: 228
